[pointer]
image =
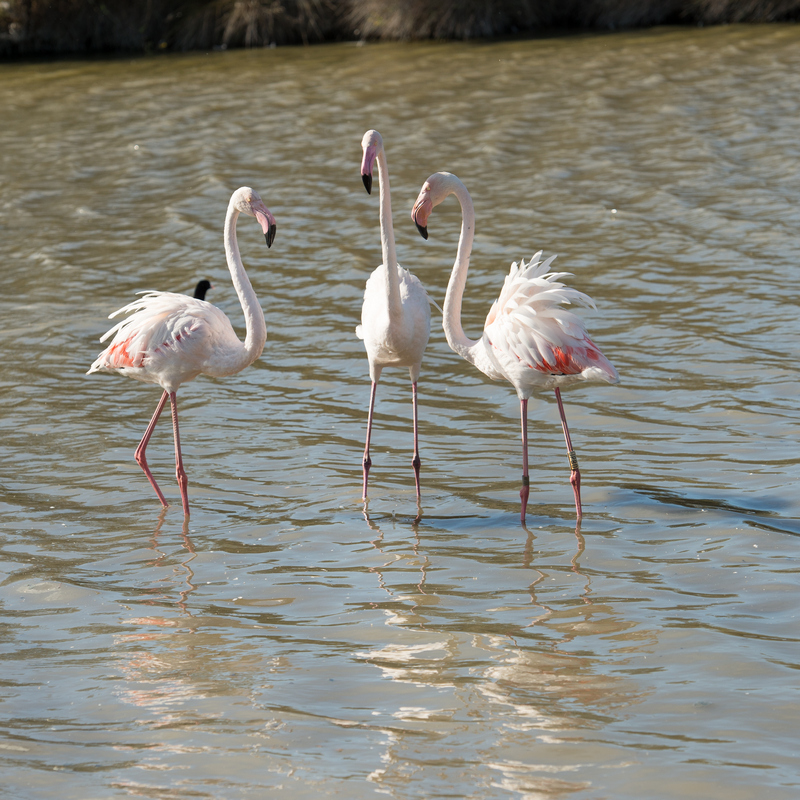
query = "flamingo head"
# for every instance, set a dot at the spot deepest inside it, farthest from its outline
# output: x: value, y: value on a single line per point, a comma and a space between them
x: 249, y: 202
x: 433, y: 192
x: 371, y: 144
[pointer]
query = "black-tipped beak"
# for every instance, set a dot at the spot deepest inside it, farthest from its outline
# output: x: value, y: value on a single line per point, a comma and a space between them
x: 270, y: 234
x: 367, y: 178
x: 423, y: 230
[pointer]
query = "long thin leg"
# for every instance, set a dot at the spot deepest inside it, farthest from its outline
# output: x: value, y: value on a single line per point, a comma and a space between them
x: 575, y: 474
x: 415, y: 462
x: 180, y: 472
x: 525, y: 491
x: 139, y: 455
x: 367, y: 460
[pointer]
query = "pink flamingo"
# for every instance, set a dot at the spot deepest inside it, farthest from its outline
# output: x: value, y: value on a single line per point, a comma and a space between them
x: 396, y: 314
x: 171, y: 338
x: 529, y: 339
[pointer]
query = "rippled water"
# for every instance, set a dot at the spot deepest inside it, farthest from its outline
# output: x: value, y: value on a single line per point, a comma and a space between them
x: 285, y: 643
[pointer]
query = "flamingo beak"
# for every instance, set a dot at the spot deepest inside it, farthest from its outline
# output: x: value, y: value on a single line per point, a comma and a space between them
x: 366, y: 166
x: 420, y: 213
x: 267, y: 222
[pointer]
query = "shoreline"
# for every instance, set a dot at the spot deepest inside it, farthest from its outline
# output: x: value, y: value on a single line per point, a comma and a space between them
x: 40, y: 29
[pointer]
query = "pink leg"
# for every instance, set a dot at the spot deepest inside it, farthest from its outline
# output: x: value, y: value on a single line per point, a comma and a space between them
x: 180, y: 472
x: 415, y: 462
x: 367, y: 460
x: 575, y: 475
x: 525, y: 491
x: 139, y: 455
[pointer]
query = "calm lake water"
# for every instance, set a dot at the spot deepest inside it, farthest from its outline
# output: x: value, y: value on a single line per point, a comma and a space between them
x: 285, y: 643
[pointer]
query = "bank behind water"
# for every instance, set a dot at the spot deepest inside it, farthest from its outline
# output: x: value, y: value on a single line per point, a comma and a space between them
x: 42, y: 27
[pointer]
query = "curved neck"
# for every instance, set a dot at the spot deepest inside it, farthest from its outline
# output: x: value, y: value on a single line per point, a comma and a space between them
x: 387, y: 238
x: 456, y: 338
x: 253, y: 315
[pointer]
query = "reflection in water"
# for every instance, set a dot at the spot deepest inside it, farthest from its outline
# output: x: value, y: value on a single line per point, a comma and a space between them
x: 183, y: 594
x: 149, y: 673
x: 555, y: 691
x: 424, y: 565
x: 576, y: 566
x: 527, y: 561
x: 526, y: 779
x: 553, y: 695
x: 419, y: 664
x: 559, y: 697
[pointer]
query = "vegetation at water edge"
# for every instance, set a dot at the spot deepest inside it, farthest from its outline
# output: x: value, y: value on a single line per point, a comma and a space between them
x: 92, y: 26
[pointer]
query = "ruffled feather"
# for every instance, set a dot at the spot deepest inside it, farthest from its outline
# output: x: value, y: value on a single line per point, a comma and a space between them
x: 529, y: 323
x: 157, y: 323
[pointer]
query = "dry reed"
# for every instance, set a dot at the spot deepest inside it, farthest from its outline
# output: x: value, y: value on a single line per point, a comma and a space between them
x: 86, y: 26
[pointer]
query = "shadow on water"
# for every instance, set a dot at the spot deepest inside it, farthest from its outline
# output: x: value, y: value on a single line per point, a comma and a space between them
x: 667, y: 497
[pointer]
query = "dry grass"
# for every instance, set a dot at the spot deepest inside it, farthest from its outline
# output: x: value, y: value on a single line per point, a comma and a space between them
x: 466, y: 19
x: 62, y: 26
x: 256, y: 23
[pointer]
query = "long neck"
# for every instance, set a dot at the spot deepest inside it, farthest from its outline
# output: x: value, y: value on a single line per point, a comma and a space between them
x: 387, y: 238
x: 253, y: 315
x: 456, y: 338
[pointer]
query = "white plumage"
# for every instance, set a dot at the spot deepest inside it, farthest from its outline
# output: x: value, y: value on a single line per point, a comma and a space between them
x: 532, y: 340
x: 169, y: 339
x: 389, y: 344
x: 396, y: 314
x: 529, y: 339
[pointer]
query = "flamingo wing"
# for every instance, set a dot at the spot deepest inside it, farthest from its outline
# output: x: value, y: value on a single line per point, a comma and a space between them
x: 414, y: 297
x: 161, y: 327
x: 529, y: 323
x: 411, y: 285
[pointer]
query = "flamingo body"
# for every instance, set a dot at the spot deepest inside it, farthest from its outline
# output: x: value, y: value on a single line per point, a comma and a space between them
x: 387, y: 343
x: 529, y: 338
x: 396, y: 313
x: 169, y: 339
x: 532, y: 341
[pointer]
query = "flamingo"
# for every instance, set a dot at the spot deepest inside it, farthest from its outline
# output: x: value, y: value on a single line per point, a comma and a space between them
x: 529, y: 339
x: 170, y: 338
x: 396, y: 314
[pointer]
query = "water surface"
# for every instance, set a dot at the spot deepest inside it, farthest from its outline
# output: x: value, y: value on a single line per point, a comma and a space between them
x: 289, y: 643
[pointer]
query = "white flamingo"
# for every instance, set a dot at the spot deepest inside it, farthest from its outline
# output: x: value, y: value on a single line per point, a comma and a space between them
x: 171, y: 338
x: 529, y: 339
x: 396, y: 314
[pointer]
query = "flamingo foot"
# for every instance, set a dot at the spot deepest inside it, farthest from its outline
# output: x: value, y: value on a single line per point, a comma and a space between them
x: 183, y: 483
x: 524, y: 493
x: 575, y: 480
x: 416, y: 463
x: 367, y: 464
